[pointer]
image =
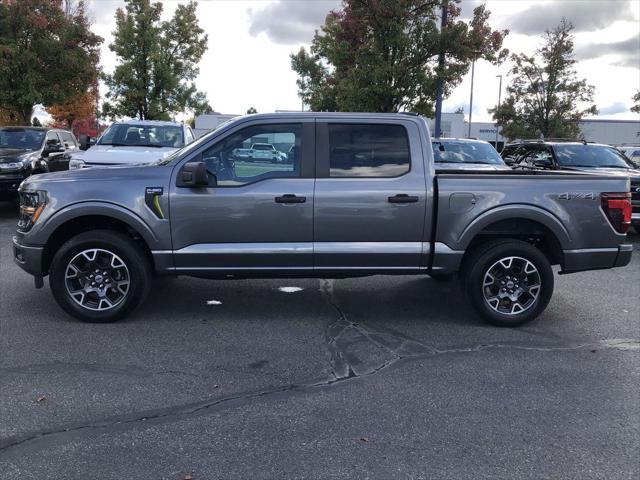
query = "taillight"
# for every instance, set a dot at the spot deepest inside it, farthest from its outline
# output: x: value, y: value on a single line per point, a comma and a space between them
x: 617, y: 208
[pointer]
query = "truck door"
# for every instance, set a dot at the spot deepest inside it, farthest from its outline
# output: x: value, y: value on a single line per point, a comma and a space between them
x: 57, y: 158
x: 253, y: 216
x: 370, y: 201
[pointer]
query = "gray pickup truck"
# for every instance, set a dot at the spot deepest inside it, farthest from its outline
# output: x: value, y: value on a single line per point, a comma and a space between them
x: 358, y: 197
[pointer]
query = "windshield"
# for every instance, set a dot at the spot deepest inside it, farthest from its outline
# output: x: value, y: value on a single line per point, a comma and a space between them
x: 465, y: 152
x: 590, y: 156
x: 122, y: 134
x: 22, y: 138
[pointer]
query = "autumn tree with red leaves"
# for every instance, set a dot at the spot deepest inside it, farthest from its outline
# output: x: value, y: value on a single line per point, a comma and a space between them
x: 46, y: 56
x: 382, y: 55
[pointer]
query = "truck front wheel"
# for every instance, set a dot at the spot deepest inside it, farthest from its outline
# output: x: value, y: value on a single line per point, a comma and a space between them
x: 508, y: 282
x: 99, y: 276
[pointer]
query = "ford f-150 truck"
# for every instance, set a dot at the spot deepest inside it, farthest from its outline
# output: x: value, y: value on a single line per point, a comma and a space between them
x: 359, y: 197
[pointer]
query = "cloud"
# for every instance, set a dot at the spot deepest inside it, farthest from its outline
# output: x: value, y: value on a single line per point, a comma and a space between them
x: 616, y: 107
x: 627, y: 50
x: 290, y: 22
x: 586, y: 15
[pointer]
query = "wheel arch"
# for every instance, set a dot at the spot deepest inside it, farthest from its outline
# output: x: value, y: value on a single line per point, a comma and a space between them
x: 532, y: 224
x: 82, y: 218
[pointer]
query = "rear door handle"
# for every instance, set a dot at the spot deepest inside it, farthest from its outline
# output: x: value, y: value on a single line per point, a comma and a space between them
x: 290, y: 198
x: 403, y: 198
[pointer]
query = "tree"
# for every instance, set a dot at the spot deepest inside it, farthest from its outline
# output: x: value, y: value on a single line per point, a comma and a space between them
x: 79, y: 107
x: 636, y: 102
x: 545, y: 96
x: 157, y: 62
x: 46, y: 57
x: 381, y: 55
x: 251, y: 110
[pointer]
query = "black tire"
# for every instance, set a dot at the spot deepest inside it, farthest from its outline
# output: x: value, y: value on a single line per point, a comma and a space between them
x: 137, y: 267
x: 478, y: 264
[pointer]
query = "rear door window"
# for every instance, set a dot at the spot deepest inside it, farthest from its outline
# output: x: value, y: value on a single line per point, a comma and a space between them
x: 368, y: 150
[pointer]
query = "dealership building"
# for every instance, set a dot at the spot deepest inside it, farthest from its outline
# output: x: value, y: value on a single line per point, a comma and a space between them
x: 600, y: 130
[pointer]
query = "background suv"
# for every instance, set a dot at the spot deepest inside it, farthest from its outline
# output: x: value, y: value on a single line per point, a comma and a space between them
x: 576, y: 155
x: 134, y: 142
x: 28, y: 150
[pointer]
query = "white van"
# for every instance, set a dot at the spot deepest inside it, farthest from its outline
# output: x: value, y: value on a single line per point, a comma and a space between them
x: 134, y: 142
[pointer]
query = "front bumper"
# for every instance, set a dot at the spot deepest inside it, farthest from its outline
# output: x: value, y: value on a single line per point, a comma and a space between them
x: 596, y: 258
x: 9, y: 184
x: 28, y: 258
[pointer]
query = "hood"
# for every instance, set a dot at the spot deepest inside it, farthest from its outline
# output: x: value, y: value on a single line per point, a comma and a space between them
x: 105, y: 176
x: 469, y: 166
x: 113, y: 155
x: 10, y: 154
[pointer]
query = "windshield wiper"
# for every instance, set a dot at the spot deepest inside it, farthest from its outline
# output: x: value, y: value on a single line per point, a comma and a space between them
x: 155, y: 145
x: 114, y: 144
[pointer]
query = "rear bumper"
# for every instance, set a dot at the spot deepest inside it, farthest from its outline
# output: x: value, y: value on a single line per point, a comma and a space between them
x: 28, y: 258
x: 596, y: 258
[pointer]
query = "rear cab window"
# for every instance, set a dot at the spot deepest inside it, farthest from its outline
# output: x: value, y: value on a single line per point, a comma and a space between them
x: 368, y: 150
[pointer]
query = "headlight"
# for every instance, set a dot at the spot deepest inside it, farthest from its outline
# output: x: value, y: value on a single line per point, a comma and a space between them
x: 76, y: 163
x: 11, y: 167
x: 31, y: 206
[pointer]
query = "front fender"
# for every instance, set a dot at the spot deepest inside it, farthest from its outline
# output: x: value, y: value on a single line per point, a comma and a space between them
x: 93, y: 208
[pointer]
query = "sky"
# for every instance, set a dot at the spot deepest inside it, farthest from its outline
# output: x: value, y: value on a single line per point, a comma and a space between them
x: 247, y: 62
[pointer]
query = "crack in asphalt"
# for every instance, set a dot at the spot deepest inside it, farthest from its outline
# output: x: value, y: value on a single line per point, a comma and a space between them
x: 341, y: 335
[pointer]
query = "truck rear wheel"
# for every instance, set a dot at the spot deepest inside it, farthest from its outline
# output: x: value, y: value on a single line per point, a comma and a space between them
x: 508, y: 282
x: 99, y: 276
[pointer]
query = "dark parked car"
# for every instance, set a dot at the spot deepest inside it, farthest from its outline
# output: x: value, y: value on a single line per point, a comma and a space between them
x: 577, y: 156
x: 465, y: 154
x: 29, y: 150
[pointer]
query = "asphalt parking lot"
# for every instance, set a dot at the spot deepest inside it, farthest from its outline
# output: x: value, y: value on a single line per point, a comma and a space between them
x: 382, y: 377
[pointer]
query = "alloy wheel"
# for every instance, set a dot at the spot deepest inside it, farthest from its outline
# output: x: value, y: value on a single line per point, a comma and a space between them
x: 97, y: 279
x: 511, y: 285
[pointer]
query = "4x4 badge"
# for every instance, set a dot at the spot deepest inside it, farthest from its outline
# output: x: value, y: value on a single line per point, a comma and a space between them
x: 578, y: 195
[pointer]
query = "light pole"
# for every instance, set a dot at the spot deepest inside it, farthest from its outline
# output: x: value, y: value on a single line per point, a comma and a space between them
x: 473, y: 70
x: 498, y: 108
x: 441, y: 60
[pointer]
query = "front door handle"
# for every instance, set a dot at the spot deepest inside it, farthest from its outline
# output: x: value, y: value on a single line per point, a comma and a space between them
x: 290, y: 198
x: 403, y: 198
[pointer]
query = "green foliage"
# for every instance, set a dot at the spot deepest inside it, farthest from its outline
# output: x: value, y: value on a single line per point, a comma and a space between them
x: 636, y: 102
x: 381, y: 55
x: 46, y: 57
x: 36, y: 122
x: 545, y: 96
x: 251, y: 110
x: 158, y: 62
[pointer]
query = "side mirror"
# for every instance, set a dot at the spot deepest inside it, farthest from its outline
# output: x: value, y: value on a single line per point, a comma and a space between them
x: 53, y: 148
x: 85, y: 142
x: 193, y: 175
x: 509, y: 161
